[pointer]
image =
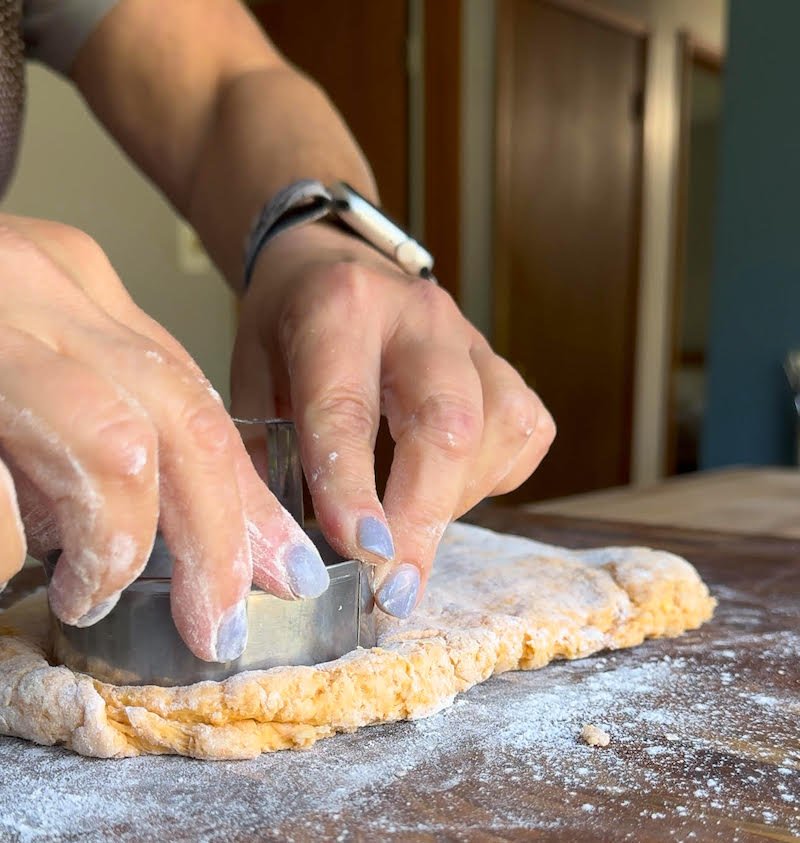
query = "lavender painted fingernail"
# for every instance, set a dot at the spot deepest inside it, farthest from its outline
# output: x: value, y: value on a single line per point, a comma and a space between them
x: 308, y: 576
x: 373, y: 536
x: 98, y: 612
x: 232, y: 633
x: 398, y: 594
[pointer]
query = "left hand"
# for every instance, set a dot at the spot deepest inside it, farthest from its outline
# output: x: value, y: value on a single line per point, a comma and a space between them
x: 333, y: 335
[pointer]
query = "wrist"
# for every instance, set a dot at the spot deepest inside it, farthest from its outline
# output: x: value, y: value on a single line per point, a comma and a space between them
x: 299, y: 250
x: 308, y: 200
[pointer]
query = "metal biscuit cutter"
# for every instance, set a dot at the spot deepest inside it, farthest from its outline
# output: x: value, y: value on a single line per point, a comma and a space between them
x: 137, y: 642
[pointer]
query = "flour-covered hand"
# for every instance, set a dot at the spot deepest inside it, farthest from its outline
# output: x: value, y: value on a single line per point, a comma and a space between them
x: 109, y: 430
x: 333, y: 335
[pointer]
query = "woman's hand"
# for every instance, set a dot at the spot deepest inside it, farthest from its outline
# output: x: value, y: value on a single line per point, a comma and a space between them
x: 333, y: 335
x: 108, y: 429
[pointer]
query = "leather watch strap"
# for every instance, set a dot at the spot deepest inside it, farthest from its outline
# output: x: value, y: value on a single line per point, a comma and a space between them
x: 302, y: 202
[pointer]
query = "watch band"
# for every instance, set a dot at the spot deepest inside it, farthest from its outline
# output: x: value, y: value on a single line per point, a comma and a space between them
x: 310, y: 200
x: 304, y: 201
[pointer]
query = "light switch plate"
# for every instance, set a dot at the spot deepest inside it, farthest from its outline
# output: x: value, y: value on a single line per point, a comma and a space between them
x: 192, y: 257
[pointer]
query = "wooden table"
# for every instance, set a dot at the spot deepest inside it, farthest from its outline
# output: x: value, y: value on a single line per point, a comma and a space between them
x: 705, y: 741
x: 758, y: 501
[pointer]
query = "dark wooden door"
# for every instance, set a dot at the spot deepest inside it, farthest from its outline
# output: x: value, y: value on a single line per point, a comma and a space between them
x: 568, y: 193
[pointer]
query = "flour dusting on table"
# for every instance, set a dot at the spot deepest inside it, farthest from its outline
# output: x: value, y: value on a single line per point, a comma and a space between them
x: 697, y: 735
x: 504, y: 757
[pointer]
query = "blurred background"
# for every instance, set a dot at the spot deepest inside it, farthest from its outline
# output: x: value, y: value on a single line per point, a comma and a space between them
x: 608, y: 187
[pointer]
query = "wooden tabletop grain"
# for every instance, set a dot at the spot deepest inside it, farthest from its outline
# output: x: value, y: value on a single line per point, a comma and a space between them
x: 710, y: 753
x: 753, y: 500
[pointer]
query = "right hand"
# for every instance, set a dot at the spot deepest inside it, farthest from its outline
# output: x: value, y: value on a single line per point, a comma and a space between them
x: 108, y: 430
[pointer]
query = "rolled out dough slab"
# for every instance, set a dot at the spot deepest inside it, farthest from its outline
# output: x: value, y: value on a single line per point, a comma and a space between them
x: 494, y: 603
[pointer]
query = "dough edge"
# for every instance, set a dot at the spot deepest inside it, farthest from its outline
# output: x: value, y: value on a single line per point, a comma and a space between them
x: 418, y: 668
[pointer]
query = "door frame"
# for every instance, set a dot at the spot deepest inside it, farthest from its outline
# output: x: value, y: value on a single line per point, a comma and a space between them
x: 691, y: 51
x: 442, y: 54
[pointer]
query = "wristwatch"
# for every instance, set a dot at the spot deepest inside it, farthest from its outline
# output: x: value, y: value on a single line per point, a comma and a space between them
x: 310, y: 201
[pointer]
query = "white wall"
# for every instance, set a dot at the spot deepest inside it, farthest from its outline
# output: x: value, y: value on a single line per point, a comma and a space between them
x: 70, y: 171
x: 706, y: 21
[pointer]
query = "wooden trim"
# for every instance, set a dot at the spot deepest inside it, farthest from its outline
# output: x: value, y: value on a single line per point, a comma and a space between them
x: 678, y: 257
x: 691, y: 52
x: 442, y: 191
x: 637, y: 217
x: 605, y: 16
x: 704, y: 54
x: 692, y: 358
x: 504, y: 96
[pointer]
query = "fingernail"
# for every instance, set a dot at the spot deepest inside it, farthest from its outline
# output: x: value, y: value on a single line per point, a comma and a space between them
x: 308, y: 576
x: 98, y: 612
x: 373, y: 536
x: 232, y: 633
x: 398, y: 594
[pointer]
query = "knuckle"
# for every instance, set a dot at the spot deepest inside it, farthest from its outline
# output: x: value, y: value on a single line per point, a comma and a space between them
x: 77, y: 240
x: 422, y: 527
x: 450, y: 423
x: 340, y: 293
x: 546, y: 428
x: 348, y: 285
x: 207, y: 428
x: 83, y: 250
x: 518, y: 409
x: 125, y: 445
x: 437, y: 302
x: 348, y: 411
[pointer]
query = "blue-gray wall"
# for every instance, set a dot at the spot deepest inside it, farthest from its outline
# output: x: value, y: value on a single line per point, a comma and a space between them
x: 756, y: 292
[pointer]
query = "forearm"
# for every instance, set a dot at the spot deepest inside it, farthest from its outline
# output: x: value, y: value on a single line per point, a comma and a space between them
x: 205, y: 105
x: 252, y: 151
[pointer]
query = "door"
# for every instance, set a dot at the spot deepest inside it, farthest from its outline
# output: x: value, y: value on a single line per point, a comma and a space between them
x: 568, y: 191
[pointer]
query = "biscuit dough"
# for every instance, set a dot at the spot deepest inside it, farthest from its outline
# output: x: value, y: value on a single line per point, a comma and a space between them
x: 494, y: 603
x: 594, y: 736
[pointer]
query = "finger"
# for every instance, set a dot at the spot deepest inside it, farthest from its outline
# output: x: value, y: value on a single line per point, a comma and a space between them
x: 512, y: 416
x: 91, y: 451
x: 285, y: 561
x: 437, y: 423
x: 201, y: 512
x: 203, y: 518
x: 12, y: 533
x: 528, y: 460
x: 334, y: 371
x: 284, y: 558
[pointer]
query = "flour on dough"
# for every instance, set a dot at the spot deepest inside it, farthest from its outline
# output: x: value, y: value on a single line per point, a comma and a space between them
x: 494, y: 603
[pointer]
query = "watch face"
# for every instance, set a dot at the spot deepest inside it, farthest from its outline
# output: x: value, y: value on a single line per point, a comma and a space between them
x: 376, y: 228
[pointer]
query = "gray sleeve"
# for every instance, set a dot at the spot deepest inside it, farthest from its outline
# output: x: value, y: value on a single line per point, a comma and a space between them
x: 54, y: 30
